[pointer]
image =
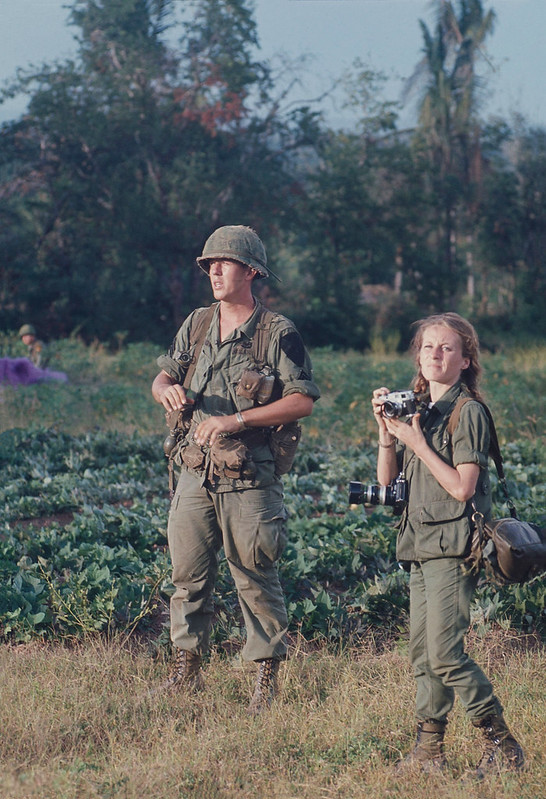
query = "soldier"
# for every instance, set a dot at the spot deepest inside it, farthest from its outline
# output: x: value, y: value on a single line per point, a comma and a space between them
x: 235, y: 379
x: 36, y: 348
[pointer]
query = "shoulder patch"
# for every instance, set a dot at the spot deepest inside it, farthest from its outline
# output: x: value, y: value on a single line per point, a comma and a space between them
x: 292, y: 346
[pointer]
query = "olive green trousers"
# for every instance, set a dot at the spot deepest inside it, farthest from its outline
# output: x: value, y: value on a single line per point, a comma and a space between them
x: 250, y: 525
x: 440, y: 597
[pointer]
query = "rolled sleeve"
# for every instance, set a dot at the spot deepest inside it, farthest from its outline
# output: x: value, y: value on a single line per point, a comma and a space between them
x: 172, y: 367
x: 170, y: 361
x: 471, y: 438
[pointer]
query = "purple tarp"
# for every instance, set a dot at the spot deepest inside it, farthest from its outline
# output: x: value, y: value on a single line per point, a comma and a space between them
x: 21, y: 372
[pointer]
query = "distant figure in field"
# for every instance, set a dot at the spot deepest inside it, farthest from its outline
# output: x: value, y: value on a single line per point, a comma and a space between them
x: 37, y: 351
x: 32, y: 369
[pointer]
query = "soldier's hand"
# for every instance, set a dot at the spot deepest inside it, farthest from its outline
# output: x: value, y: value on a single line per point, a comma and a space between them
x: 210, y: 429
x: 173, y: 398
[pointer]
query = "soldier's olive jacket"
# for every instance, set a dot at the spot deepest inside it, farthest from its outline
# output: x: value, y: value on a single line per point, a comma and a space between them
x: 434, y: 524
x: 217, y: 374
x: 37, y: 353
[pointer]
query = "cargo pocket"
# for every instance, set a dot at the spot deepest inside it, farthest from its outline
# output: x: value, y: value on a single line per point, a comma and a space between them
x: 444, y: 529
x: 270, y: 541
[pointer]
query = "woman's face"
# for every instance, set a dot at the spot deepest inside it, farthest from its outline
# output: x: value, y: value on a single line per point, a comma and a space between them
x: 441, y: 355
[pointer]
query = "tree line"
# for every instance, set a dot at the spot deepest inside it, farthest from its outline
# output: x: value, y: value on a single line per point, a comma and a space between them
x: 166, y: 124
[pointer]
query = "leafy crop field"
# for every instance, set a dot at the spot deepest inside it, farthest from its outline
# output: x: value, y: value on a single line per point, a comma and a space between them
x: 85, y: 585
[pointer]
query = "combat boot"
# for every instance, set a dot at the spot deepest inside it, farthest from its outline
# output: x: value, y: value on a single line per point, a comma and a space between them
x: 186, y: 674
x: 266, y: 686
x: 428, y: 752
x: 502, y: 751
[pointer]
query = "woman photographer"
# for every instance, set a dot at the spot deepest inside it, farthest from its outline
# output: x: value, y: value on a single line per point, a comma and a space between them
x: 446, y: 474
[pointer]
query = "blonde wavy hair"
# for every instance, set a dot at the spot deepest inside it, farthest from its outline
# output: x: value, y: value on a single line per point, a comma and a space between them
x: 470, y: 348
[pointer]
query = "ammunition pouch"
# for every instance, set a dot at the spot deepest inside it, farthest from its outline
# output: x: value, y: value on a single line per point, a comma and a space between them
x: 256, y: 386
x: 284, y: 441
x: 193, y: 456
x: 231, y: 458
x: 178, y: 422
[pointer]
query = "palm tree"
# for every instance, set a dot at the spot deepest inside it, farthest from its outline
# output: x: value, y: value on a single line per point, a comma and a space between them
x: 447, y: 136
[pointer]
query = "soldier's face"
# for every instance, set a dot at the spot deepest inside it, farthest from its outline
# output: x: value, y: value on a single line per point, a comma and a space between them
x: 230, y: 280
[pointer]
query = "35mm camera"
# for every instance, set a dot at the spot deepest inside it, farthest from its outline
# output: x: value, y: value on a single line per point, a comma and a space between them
x: 398, y: 403
x: 394, y: 495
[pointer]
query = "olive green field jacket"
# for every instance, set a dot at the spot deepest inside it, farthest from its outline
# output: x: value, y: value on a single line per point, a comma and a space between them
x: 434, y: 524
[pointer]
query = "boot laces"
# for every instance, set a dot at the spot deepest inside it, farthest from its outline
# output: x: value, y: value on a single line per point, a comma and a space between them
x: 265, y: 689
x: 186, y: 668
x: 496, y: 743
x: 266, y: 674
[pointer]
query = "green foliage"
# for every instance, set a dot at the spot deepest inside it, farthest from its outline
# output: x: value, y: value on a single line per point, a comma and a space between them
x: 131, y: 153
x: 126, y: 154
x: 84, y: 501
x: 106, y: 388
x: 82, y: 546
x: 354, y: 220
x: 102, y: 568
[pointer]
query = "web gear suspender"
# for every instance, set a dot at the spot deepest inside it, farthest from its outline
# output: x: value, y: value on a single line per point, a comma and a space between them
x: 176, y: 419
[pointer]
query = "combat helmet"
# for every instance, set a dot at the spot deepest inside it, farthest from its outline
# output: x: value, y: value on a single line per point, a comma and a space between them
x: 27, y: 330
x: 240, y: 243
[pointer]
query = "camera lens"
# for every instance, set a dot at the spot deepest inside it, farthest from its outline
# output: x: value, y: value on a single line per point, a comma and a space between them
x: 387, y: 495
x: 356, y: 491
x: 390, y: 409
x: 371, y: 495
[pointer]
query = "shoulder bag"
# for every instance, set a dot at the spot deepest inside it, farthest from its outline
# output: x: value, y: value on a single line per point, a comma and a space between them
x: 509, y: 550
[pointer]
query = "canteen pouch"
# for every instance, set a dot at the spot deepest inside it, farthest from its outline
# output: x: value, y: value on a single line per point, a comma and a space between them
x: 284, y: 441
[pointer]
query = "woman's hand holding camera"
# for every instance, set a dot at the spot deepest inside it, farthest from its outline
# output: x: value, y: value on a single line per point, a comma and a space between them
x: 385, y: 438
x: 392, y: 428
x: 409, y: 434
x: 387, y: 467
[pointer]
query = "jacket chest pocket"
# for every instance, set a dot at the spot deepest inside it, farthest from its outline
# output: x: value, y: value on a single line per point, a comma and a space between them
x: 440, y: 441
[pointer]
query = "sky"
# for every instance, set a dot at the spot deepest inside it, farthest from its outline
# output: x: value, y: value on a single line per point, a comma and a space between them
x: 384, y: 34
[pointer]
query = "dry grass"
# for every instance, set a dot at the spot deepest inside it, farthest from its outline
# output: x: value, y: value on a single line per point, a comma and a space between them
x: 79, y: 722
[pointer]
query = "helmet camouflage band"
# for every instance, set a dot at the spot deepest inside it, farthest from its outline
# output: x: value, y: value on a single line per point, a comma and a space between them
x: 239, y: 243
x: 27, y: 330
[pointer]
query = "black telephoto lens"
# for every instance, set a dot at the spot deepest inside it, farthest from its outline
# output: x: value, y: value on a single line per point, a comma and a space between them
x: 356, y: 493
